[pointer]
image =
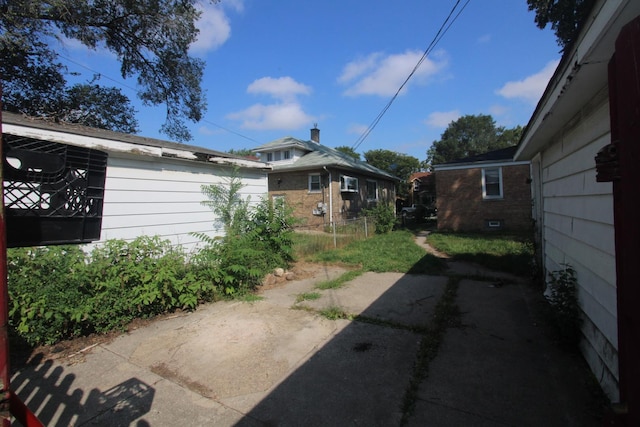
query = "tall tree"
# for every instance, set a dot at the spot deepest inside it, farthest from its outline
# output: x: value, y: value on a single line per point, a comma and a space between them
x: 399, y: 165
x: 471, y: 135
x: 150, y: 38
x: 348, y: 151
x: 565, y: 17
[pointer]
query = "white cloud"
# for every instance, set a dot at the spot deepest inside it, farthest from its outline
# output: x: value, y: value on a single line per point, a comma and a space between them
x: 499, y: 110
x: 214, y: 25
x: 286, y: 113
x: 357, y: 128
x: 284, y: 88
x: 279, y: 116
x: 382, y: 75
x: 530, y: 88
x: 441, y: 119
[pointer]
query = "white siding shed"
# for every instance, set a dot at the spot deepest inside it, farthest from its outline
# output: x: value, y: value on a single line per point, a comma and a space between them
x: 152, y: 187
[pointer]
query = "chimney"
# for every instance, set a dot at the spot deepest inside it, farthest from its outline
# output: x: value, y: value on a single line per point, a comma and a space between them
x: 315, y: 134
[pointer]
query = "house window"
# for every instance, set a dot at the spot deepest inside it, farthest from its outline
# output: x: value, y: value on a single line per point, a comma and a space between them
x: 348, y: 184
x: 278, y: 155
x: 372, y: 190
x: 492, y: 183
x: 269, y: 157
x: 286, y: 155
x: 314, y: 183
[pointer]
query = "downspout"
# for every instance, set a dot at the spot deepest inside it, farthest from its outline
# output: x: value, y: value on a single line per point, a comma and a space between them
x: 330, y: 196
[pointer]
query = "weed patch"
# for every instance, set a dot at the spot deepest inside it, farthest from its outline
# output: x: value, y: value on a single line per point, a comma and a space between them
x: 307, y: 296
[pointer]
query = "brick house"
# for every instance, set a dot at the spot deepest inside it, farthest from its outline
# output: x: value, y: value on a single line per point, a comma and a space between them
x: 323, y: 185
x: 484, y: 192
x: 423, y: 188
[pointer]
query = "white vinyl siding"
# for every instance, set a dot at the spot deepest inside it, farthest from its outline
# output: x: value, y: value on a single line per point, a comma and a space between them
x: 577, y: 219
x: 150, y: 196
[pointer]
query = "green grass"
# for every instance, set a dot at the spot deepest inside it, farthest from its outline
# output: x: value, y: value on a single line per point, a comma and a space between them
x: 392, y: 252
x: 337, y: 283
x: 502, y: 252
x: 307, y: 296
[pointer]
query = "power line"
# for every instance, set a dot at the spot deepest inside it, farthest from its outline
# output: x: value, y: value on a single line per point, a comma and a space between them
x: 441, y: 32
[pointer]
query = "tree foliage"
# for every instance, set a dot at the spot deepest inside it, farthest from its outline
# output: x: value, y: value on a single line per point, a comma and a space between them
x: 150, y: 38
x: 348, y: 151
x: 396, y: 164
x: 565, y: 17
x: 471, y: 135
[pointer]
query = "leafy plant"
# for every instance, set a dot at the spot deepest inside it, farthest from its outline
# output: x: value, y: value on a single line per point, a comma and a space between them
x: 566, y: 310
x: 255, y: 241
x: 385, y: 217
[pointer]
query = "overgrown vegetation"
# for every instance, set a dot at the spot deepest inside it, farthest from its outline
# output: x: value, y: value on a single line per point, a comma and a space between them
x: 60, y: 292
x: 255, y: 240
x: 565, y: 310
x: 503, y: 252
x: 384, y: 216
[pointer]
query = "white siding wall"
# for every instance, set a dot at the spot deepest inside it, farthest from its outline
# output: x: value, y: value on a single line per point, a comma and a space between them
x: 161, y: 196
x: 577, y: 213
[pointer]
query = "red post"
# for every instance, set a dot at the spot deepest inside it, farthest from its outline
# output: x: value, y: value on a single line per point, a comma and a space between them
x: 5, y: 405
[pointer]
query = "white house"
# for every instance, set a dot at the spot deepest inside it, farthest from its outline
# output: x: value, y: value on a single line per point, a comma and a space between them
x: 152, y: 187
x: 573, y: 210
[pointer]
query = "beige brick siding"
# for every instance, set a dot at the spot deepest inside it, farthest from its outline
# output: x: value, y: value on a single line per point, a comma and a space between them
x: 462, y: 208
x: 294, y: 186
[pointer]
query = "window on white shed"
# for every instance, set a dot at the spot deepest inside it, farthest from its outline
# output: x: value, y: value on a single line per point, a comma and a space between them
x: 492, y: 183
x: 269, y: 157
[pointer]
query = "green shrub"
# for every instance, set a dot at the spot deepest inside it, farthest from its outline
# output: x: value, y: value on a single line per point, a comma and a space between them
x: 59, y: 292
x: 565, y: 308
x: 384, y: 216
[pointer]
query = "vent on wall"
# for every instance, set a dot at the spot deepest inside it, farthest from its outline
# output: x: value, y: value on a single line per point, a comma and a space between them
x: 494, y: 224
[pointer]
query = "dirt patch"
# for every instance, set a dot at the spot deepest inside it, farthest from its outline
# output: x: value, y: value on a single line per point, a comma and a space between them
x: 73, y: 351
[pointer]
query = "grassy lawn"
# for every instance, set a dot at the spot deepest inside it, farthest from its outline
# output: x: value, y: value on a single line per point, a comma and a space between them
x: 502, y: 252
x: 392, y: 252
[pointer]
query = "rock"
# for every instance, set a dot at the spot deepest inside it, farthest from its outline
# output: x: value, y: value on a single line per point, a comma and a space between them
x: 270, y: 280
x: 290, y: 275
x: 279, y: 272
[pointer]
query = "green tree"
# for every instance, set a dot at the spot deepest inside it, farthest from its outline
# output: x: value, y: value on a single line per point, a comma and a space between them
x: 150, y: 38
x: 242, y: 152
x: 471, y: 135
x: 565, y: 17
x: 348, y: 151
x: 399, y: 165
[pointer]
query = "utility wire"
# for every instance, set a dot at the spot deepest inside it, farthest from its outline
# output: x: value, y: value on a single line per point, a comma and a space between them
x: 434, y: 42
x: 120, y: 83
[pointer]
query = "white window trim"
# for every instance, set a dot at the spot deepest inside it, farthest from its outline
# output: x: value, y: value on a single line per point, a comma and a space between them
x: 375, y: 196
x: 484, y: 186
x: 344, y: 186
x: 319, y: 190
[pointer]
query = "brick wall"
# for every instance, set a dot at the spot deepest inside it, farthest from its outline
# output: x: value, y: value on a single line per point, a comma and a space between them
x: 294, y: 186
x: 462, y: 208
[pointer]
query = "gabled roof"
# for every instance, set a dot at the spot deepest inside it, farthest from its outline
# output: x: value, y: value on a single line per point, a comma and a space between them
x: 106, y: 140
x: 318, y: 156
x: 495, y: 157
x: 581, y: 77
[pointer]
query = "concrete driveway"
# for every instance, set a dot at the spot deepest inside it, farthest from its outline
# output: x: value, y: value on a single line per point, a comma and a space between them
x: 277, y: 363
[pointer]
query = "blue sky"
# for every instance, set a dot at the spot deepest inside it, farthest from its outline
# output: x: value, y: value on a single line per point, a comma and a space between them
x: 275, y: 68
